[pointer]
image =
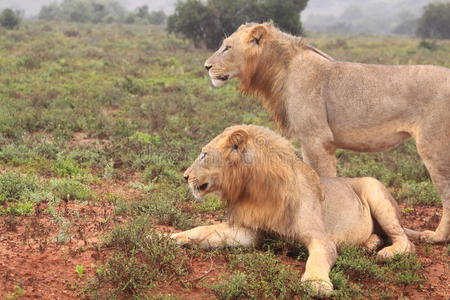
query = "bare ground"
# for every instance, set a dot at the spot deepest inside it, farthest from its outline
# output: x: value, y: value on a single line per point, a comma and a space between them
x: 32, y: 259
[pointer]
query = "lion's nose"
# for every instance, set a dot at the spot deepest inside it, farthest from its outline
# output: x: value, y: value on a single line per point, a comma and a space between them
x: 207, y: 67
x: 186, y: 177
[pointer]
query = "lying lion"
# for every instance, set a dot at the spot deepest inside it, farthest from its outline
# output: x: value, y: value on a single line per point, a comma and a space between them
x: 330, y: 104
x: 268, y: 189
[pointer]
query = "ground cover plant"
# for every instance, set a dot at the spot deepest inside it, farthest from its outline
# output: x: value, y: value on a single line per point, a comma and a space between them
x: 97, y: 124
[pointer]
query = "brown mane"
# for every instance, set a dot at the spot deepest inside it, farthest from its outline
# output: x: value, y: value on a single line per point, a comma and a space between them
x: 265, y: 191
x: 264, y: 74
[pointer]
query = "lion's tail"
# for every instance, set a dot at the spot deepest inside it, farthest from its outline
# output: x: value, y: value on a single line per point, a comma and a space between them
x: 413, y: 233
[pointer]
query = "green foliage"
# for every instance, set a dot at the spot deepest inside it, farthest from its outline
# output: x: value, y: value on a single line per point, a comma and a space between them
x: 97, y: 11
x: 435, y: 21
x: 79, y: 269
x: 352, y: 259
x: 343, y: 287
x: 143, y: 257
x: 18, y: 209
x: 406, y: 269
x: 17, y: 294
x: 210, y: 204
x: 207, y: 23
x: 162, y: 205
x: 83, y: 11
x: 70, y: 189
x: 10, y: 19
x: 262, y: 277
x: 143, y: 16
x: 15, y: 187
x: 415, y: 193
x: 67, y: 167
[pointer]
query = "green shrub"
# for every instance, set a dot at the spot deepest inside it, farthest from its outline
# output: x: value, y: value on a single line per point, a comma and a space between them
x: 208, y: 21
x: 10, y: 19
x: 262, y: 277
x: 406, y: 269
x: 210, y: 204
x: 18, y: 209
x: 143, y: 257
x: 67, y: 167
x: 70, y: 189
x: 126, y: 275
x: 414, y: 193
x: 352, y: 259
x: 15, y: 187
x: 435, y: 21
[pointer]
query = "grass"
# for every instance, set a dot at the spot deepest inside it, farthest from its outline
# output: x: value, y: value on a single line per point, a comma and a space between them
x: 83, y: 106
x: 259, y: 276
x: 143, y: 257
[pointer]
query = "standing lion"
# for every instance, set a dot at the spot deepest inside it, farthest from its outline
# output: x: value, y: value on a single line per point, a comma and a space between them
x: 268, y: 189
x: 330, y: 104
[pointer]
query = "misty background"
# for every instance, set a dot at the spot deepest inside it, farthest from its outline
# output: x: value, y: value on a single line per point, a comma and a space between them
x: 346, y: 16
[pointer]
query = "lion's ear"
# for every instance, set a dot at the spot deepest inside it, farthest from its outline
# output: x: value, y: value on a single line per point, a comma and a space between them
x: 238, y: 139
x: 257, y: 34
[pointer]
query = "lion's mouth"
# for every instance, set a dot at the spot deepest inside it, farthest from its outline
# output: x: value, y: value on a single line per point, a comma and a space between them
x: 223, y: 77
x: 202, y: 187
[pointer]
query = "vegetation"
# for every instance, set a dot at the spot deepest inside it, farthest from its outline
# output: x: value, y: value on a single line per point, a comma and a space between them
x: 10, y: 19
x: 435, y: 21
x: 207, y: 23
x: 96, y: 11
x: 108, y: 116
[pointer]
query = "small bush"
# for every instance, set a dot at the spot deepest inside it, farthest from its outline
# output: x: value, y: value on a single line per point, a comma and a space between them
x: 414, y: 193
x: 210, y: 204
x: 10, y: 19
x: 260, y: 276
x: 143, y: 258
x: 435, y: 21
x: 127, y: 276
x: 353, y: 260
x: 70, y: 189
x: 15, y: 187
x: 67, y: 167
x: 18, y: 209
x: 406, y: 269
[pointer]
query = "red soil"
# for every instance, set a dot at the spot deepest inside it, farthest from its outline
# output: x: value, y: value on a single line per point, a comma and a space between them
x: 31, y: 259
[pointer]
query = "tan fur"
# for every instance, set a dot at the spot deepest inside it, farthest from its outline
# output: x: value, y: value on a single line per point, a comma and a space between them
x: 268, y: 189
x: 330, y: 104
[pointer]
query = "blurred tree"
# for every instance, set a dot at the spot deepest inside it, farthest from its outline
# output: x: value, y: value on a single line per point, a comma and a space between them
x: 142, y: 16
x: 435, y: 21
x: 10, y: 19
x: 84, y: 11
x: 206, y: 23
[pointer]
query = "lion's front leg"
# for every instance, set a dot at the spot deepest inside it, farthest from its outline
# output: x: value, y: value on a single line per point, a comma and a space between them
x: 320, y: 155
x: 322, y: 256
x: 217, y: 236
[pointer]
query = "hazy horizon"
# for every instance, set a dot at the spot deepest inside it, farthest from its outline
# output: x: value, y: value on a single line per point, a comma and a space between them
x: 352, y: 16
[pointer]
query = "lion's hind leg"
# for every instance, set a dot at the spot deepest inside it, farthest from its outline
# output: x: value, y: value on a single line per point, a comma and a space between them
x: 217, y: 236
x: 384, y: 210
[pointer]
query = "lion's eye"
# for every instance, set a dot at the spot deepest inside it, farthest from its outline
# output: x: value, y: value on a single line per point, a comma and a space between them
x: 226, y: 49
x: 202, y: 155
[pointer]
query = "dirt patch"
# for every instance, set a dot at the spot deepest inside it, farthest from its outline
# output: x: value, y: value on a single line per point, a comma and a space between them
x: 31, y: 258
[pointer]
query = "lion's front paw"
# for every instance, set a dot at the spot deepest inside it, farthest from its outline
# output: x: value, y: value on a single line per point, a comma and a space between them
x: 180, y: 238
x: 431, y: 237
x: 397, y: 248
x: 321, y: 287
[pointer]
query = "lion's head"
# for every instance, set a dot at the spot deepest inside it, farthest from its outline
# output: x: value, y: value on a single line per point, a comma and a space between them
x: 259, y: 55
x: 237, y: 51
x: 240, y: 155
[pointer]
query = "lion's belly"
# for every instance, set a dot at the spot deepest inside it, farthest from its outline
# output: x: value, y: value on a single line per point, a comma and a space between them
x: 347, y: 219
x: 373, y: 139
